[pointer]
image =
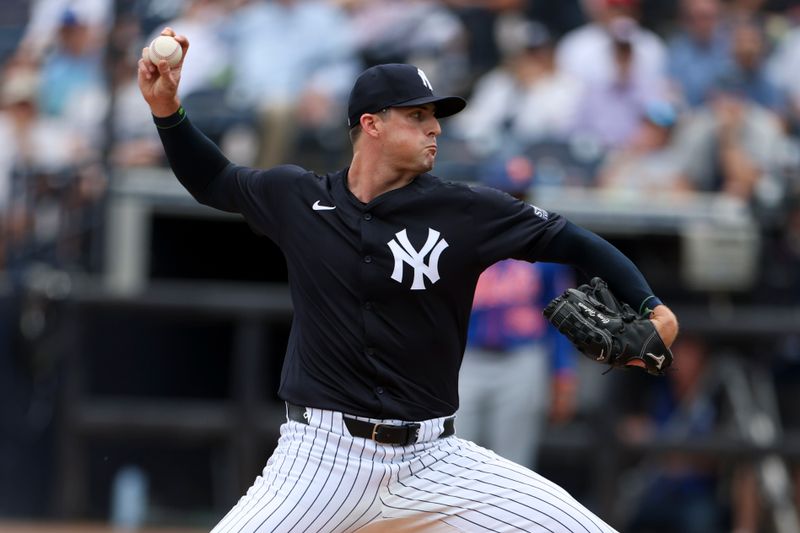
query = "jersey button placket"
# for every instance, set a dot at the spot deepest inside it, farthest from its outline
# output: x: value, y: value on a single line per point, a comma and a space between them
x: 367, y: 259
x: 372, y: 277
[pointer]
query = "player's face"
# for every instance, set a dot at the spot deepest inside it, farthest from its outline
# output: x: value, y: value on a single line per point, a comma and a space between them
x: 410, y: 138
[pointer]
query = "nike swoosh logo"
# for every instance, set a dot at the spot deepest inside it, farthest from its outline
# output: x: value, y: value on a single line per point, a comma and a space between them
x: 318, y: 207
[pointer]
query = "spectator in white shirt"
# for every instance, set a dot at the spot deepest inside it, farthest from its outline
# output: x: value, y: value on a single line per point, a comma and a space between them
x: 588, y: 51
x: 524, y: 100
x: 611, y: 109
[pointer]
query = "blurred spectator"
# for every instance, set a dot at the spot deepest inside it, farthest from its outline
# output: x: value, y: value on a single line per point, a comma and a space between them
x: 559, y: 17
x: 152, y: 15
x: 732, y: 144
x: 744, y: 10
x: 783, y: 69
x: 699, y: 51
x: 516, y: 367
x: 677, y: 493
x: 208, y: 64
x: 589, y: 52
x: 659, y: 15
x: 47, y: 17
x: 73, y: 82
x: 47, y: 173
x: 135, y: 140
x: 479, y: 18
x: 517, y: 371
x: 12, y: 26
x: 747, y: 68
x: 310, y: 54
x: 522, y: 101
x: 648, y: 163
x: 420, y: 32
x: 610, y: 110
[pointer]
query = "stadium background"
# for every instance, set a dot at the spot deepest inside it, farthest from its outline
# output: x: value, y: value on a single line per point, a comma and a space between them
x: 141, y: 335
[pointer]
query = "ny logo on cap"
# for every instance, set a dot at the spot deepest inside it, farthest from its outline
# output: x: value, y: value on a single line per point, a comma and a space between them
x: 404, y: 252
x: 425, y: 80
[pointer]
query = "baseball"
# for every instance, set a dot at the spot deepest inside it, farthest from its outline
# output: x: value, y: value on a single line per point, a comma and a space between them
x: 165, y: 47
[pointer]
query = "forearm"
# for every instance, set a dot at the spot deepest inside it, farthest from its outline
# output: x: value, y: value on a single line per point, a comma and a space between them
x: 594, y: 256
x: 196, y: 161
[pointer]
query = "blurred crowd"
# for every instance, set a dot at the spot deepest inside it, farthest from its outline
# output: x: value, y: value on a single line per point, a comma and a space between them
x: 641, y: 96
x: 635, y: 95
x: 628, y: 94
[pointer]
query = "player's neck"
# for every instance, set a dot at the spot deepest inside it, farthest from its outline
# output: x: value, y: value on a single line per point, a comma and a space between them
x: 369, y: 178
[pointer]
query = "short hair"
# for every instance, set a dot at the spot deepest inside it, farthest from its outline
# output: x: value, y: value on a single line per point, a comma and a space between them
x: 355, y: 133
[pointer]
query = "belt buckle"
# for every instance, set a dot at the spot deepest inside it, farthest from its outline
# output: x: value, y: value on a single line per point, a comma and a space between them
x: 375, y: 432
x: 412, y: 432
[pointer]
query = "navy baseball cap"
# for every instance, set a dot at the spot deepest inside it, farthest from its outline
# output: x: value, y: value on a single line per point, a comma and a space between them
x: 396, y: 85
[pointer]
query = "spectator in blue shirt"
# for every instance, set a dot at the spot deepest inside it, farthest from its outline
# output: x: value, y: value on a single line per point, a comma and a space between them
x: 699, y: 51
x: 748, y: 72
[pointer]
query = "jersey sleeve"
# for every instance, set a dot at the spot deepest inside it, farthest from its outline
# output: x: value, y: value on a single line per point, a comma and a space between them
x: 259, y: 195
x: 509, y: 228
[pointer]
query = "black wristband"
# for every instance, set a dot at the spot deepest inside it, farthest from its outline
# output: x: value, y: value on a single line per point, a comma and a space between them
x: 165, y: 123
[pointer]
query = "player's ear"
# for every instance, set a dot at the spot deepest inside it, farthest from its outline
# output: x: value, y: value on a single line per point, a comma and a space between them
x: 371, y: 124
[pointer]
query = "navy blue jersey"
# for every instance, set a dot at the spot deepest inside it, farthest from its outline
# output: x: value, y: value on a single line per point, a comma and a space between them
x: 382, y: 291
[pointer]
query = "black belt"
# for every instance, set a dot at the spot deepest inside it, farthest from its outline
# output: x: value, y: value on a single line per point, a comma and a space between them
x: 404, y: 434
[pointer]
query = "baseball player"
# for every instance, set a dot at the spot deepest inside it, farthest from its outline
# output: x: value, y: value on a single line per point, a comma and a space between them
x: 383, y: 259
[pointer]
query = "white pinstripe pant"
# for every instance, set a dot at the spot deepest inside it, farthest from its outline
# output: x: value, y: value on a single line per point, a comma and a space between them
x: 320, y: 479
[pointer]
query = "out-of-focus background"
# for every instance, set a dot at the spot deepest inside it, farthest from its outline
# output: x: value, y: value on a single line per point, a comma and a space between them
x: 141, y: 335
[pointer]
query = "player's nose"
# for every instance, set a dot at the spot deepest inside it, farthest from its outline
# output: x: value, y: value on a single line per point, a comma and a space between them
x: 436, y: 128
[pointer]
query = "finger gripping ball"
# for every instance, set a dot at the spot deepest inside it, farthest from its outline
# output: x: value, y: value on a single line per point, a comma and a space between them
x: 165, y: 47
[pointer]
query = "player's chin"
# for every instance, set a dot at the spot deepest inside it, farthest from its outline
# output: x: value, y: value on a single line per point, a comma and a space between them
x: 428, y: 160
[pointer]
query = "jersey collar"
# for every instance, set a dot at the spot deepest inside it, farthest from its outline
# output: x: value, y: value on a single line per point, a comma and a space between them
x: 418, y: 185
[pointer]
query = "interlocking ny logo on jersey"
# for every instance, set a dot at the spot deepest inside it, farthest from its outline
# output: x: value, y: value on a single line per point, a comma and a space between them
x: 404, y: 252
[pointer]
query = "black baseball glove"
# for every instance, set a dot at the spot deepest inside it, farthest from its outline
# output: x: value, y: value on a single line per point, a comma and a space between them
x: 606, y: 330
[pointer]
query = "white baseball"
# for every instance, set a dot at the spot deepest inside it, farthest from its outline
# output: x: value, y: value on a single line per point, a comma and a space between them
x: 165, y: 47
